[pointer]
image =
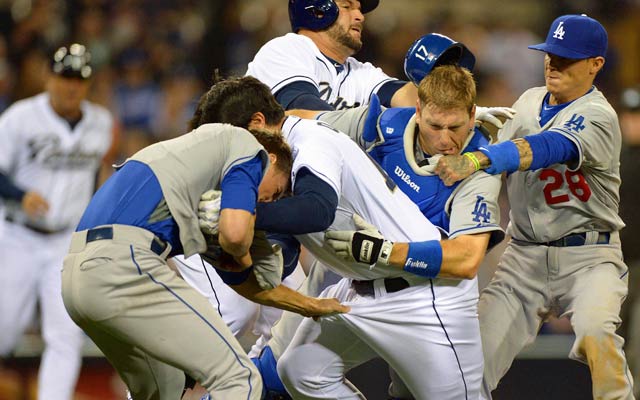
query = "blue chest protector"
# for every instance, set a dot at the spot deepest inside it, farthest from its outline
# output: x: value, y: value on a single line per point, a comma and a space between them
x: 423, y: 188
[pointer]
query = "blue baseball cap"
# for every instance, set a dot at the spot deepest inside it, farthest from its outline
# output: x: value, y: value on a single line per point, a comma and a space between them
x: 575, y: 37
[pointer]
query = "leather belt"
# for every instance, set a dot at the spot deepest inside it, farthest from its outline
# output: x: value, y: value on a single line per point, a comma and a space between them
x: 391, y: 285
x: 34, y: 228
x: 106, y: 233
x: 575, y: 239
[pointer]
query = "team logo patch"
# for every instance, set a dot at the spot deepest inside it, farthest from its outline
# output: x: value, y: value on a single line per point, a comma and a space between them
x: 559, y: 32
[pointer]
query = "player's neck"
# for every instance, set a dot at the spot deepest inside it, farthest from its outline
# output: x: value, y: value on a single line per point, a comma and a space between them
x: 569, y: 95
x: 327, y: 45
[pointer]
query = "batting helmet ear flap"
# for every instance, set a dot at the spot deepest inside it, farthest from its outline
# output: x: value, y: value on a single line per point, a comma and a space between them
x: 433, y: 50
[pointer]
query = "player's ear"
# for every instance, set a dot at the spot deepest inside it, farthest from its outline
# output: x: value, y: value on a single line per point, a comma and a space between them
x: 273, y: 159
x: 258, y: 121
x: 596, y: 64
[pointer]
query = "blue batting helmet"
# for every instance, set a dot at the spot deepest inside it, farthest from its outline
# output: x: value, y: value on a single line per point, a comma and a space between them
x: 317, y: 15
x: 432, y: 50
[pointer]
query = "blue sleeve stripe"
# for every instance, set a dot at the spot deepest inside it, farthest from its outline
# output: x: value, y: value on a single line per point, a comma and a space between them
x: 240, y: 186
x: 550, y: 148
x: 239, y: 161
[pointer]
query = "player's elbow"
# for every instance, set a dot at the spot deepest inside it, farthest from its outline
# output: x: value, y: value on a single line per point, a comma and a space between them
x: 469, y: 270
x: 235, y: 242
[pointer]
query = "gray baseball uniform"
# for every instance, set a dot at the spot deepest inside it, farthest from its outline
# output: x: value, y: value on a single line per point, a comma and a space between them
x: 565, y: 257
x: 117, y: 286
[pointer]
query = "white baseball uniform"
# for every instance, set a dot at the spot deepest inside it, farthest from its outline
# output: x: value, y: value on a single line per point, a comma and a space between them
x: 565, y: 256
x: 41, y: 152
x: 352, y: 86
x: 425, y: 325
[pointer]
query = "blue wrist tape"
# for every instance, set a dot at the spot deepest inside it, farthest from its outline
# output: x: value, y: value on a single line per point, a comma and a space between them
x: 424, y: 258
x: 504, y: 157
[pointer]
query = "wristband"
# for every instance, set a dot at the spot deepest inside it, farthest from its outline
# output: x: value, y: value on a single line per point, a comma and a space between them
x: 424, y: 258
x: 503, y: 156
x: 474, y: 160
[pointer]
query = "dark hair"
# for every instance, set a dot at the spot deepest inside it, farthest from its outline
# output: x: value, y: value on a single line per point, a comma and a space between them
x: 275, y: 144
x: 234, y: 101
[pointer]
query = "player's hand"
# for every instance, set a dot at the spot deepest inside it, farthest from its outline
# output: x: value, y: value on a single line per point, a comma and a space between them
x: 34, y: 205
x: 454, y: 168
x: 209, y: 211
x: 321, y: 307
x: 268, y: 262
x: 364, y: 245
x: 491, y: 119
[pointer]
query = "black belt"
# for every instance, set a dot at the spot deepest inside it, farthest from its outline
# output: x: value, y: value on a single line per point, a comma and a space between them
x: 392, y: 285
x: 106, y: 233
x: 575, y: 239
x: 34, y: 228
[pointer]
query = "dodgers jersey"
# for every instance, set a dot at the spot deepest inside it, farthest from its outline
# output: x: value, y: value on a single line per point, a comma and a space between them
x: 41, y: 152
x: 362, y: 188
x: 293, y: 58
x: 390, y: 135
x: 583, y: 196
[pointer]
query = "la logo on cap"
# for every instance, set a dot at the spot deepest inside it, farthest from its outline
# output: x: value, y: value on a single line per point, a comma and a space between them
x: 559, y: 32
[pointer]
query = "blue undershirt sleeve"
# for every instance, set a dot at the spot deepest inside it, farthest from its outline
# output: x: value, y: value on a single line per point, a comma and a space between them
x: 312, y: 207
x: 301, y: 95
x: 550, y: 148
x: 8, y: 190
x: 388, y: 89
x: 240, y: 185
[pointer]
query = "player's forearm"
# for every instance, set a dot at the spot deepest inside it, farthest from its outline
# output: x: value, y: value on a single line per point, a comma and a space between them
x: 287, y: 299
x: 525, y: 156
x: 461, y: 256
x: 236, y: 232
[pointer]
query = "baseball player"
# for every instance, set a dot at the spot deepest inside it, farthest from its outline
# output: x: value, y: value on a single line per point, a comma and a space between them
x: 116, y: 283
x: 402, y: 141
x: 564, y: 257
x: 53, y: 146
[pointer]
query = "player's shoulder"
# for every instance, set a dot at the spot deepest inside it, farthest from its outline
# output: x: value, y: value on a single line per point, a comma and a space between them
x: 291, y: 43
x: 26, y: 105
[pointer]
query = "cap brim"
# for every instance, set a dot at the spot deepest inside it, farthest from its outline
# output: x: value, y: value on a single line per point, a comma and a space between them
x: 559, y: 51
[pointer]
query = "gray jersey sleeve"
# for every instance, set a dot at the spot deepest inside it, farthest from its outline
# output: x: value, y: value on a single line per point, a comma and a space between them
x: 349, y: 122
x: 473, y: 207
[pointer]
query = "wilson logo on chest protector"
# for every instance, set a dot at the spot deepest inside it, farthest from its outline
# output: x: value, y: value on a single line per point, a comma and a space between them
x: 406, y: 179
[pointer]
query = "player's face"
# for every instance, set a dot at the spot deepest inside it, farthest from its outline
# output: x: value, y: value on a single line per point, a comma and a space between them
x: 67, y: 94
x: 567, y: 79
x: 443, y: 131
x: 274, y: 183
x: 347, y: 30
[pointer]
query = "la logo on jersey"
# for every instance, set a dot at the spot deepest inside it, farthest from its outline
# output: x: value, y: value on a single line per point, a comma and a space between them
x: 481, y: 211
x: 559, y: 32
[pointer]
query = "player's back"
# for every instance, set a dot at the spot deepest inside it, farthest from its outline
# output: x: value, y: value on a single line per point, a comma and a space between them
x: 362, y: 188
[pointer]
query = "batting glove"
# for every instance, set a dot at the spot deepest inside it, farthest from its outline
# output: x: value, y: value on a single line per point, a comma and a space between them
x: 365, y: 245
x: 268, y: 262
x: 209, y: 211
x: 494, y: 115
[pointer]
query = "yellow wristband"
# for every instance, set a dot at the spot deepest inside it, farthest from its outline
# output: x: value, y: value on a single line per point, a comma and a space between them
x: 474, y: 160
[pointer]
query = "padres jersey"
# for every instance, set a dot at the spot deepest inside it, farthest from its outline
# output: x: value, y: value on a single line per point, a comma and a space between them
x: 584, y: 196
x: 362, y: 188
x: 468, y: 207
x: 41, y: 152
x: 292, y: 58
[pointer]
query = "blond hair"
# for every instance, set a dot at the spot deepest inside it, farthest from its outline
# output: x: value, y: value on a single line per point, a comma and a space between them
x: 448, y: 87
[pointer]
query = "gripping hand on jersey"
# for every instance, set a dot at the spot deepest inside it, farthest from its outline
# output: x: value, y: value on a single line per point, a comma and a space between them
x: 268, y: 261
x: 491, y: 119
x: 364, y: 245
x: 209, y: 211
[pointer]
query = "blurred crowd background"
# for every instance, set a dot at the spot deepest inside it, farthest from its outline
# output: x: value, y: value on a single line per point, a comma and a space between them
x: 153, y: 58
